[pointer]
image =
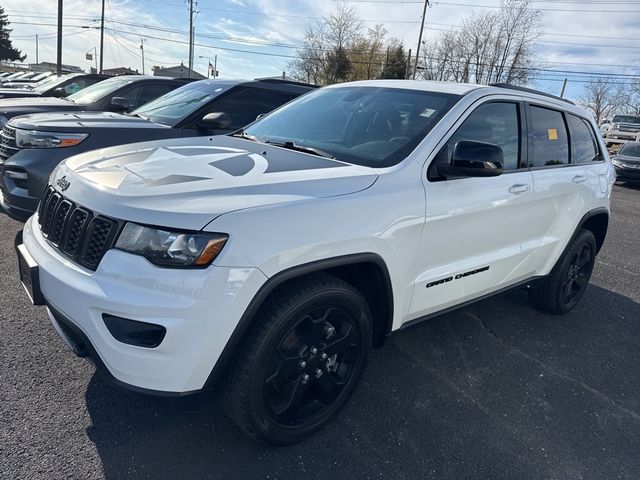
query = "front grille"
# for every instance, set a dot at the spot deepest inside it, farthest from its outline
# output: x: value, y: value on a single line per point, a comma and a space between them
x: 8, y: 145
x: 77, y: 232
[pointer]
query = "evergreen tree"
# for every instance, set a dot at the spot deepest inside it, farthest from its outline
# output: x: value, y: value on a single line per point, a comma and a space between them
x: 7, y: 50
x: 340, y: 64
x: 396, y: 64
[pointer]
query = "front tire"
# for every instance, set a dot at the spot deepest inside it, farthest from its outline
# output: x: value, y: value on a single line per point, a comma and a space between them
x: 564, y: 287
x: 300, y: 361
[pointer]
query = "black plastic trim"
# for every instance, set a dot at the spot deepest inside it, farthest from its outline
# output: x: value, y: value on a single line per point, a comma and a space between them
x: 86, y: 349
x: 273, y: 282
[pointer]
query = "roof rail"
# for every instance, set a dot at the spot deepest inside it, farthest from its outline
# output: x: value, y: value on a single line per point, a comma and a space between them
x: 530, y: 90
x: 291, y: 81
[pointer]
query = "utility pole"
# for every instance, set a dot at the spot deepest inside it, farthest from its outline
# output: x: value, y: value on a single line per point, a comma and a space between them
x: 59, y: 59
x: 424, y: 15
x: 190, y: 37
x: 564, y: 85
x: 101, y: 38
x: 408, y: 67
x: 37, y: 62
x: 142, y: 50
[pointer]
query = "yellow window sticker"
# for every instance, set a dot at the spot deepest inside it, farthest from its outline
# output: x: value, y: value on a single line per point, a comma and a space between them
x: 553, y: 133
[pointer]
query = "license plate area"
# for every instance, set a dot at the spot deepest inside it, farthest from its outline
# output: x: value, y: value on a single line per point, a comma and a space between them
x: 29, y: 275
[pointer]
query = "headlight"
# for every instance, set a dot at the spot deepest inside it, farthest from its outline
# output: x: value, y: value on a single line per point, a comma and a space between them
x: 171, y: 249
x: 36, y: 139
x: 617, y: 162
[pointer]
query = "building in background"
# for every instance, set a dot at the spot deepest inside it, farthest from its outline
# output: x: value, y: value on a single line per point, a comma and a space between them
x: 120, y: 71
x: 51, y: 67
x: 179, y: 71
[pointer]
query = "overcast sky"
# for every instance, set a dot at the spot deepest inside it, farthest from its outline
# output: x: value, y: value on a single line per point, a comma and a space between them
x: 580, y: 35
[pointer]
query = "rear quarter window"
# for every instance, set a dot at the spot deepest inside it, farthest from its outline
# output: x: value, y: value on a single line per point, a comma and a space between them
x: 584, y: 147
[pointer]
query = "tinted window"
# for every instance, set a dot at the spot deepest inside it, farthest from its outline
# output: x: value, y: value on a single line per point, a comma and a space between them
x: 549, y: 138
x: 372, y: 126
x: 141, y: 94
x: 631, y: 149
x: 152, y: 91
x: 244, y: 106
x: 100, y: 90
x: 182, y: 102
x: 495, y: 123
x: 626, y: 119
x: 583, y: 144
x: 78, y: 84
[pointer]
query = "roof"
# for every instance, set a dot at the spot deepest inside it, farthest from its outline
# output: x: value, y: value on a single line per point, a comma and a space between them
x: 442, y: 87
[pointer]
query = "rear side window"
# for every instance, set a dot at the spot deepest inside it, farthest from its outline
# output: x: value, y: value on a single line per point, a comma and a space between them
x: 150, y: 92
x: 244, y: 106
x: 584, y: 147
x: 548, y: 133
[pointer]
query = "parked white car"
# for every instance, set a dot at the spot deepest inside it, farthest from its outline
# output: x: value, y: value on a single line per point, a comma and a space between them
x: 272, y: 260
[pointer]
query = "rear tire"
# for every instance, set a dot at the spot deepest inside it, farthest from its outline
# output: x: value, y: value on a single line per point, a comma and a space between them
x: 561, y: 290
x: 300, y: 361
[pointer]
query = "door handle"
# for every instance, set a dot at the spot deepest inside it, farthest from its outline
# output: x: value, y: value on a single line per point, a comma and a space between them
x: 579, y: 179
x: 519, y: 188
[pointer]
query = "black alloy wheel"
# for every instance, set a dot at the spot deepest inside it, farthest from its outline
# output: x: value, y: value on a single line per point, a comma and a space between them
x: 561, y: 290
x: 300, y: 361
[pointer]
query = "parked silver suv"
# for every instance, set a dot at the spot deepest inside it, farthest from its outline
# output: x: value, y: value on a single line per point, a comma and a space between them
x: 623, y: 129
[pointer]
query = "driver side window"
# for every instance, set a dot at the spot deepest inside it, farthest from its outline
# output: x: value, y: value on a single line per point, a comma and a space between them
x: 497, y: 123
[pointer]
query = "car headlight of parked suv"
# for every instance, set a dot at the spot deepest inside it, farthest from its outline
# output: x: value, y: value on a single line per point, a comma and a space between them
x: 36, y: 139
x: 169, y: 248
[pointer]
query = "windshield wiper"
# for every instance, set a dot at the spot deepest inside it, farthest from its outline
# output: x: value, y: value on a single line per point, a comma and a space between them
x: 301, y: 148
x: 131, y: 114
x: 242, y: 134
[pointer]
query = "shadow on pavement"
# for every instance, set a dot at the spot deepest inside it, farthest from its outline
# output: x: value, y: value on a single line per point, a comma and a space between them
x: 496, y: 390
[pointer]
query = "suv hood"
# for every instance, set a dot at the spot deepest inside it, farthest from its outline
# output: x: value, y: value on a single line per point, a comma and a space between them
x: 186, y: 183
x: 57, y: 121
x: 29, y: 104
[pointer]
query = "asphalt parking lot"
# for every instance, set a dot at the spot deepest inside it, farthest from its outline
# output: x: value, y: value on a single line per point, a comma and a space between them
x: 496, y: 390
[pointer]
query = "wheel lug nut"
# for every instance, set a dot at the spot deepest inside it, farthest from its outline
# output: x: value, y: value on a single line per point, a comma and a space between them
x: 323, y: 356
x: 305, y: 378
x: 314, y: 350
x: 318, y: 373
x: 303, y: 364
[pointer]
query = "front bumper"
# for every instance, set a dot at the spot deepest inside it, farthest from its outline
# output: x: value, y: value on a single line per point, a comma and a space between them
x: 198, y: 308
x: 627, y: 173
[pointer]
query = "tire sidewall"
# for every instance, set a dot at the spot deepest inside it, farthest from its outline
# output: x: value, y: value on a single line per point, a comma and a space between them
x: 269, y: 428
x: 584, y: 237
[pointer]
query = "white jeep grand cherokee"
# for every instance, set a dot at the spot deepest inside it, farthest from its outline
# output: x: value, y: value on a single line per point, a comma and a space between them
x: 272, y: 260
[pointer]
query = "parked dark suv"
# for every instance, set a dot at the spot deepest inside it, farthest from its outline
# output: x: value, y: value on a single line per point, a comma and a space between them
x: 33, y: 145
x: 116, y: 94
x: 54, y: 86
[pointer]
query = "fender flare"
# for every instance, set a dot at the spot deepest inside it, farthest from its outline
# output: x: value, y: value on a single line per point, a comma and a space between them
x: 247, y: 319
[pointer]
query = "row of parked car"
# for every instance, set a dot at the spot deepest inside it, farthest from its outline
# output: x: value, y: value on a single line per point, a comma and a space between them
x: 39, y: 132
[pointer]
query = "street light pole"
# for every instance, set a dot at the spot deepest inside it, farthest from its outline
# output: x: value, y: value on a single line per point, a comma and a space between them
x: 37, y: 62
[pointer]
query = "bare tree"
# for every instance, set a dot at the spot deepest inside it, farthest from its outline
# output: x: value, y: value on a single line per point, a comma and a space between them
x: 326, y: 41
x: 490, y: 47
x: 604, y: 97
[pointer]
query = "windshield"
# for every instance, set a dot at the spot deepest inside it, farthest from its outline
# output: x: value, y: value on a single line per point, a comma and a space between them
x: 178, y: 104
x: 626, y: 119
x: 99, y: 90
x: 51, y: 82
x: 371, y: 126
x: 630, y: 149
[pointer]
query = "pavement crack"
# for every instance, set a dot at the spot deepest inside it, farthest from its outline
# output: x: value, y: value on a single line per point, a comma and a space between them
x: 553, y: 371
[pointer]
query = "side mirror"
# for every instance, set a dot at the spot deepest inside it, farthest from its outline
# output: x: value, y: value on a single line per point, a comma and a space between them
x: 120, y: 104
x: 475, y: 159
x: 215, y: 121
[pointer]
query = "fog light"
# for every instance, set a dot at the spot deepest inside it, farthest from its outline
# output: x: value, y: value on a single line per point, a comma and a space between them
x: 134, y: 332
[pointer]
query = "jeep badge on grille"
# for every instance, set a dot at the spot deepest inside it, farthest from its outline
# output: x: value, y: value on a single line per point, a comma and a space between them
x: 63, y: 183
